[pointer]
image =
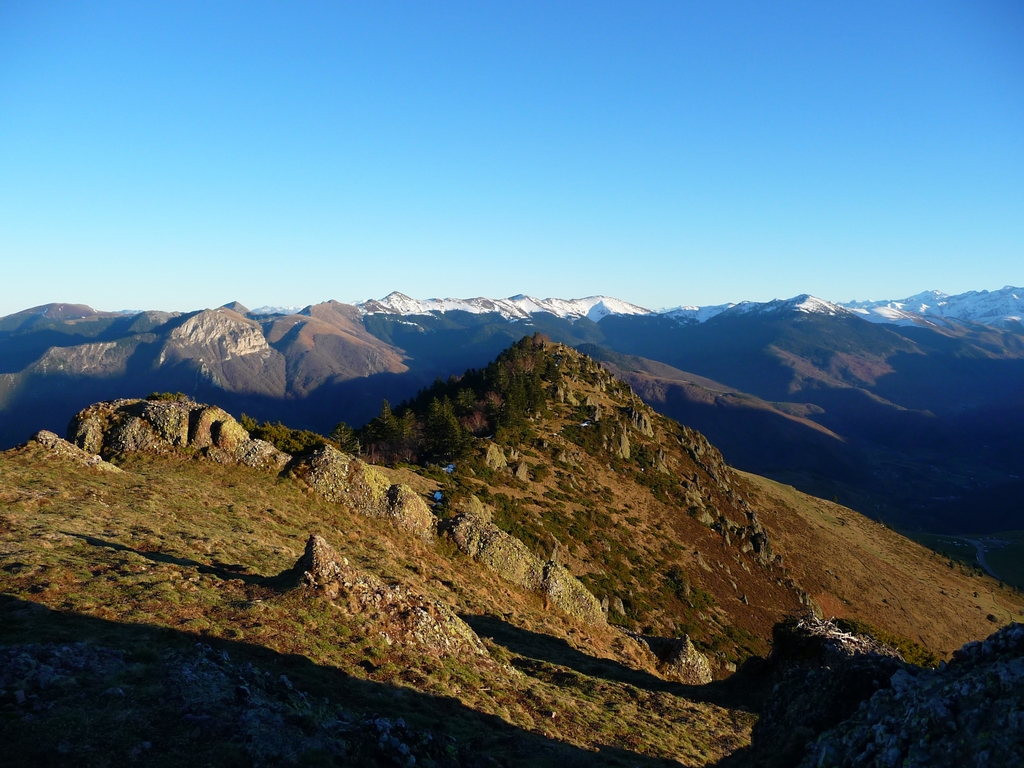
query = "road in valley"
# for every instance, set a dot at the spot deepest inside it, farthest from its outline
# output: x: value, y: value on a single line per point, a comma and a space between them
x: 980, y: 547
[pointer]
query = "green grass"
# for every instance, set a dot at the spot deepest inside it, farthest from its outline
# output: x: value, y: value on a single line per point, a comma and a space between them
x: 1004, y: 552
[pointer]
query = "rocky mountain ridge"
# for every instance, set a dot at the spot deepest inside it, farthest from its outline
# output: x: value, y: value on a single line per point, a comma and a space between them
x: 583, y: 573
x: 905, y: 422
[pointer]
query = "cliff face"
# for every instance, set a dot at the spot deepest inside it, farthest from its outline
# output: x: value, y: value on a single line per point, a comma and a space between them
x: 228, y: 350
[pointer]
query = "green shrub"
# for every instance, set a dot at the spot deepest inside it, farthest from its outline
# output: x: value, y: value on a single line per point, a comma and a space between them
x: 158, y: 396
x: 293, y: 441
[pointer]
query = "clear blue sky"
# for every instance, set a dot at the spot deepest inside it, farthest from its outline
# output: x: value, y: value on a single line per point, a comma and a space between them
x: 181, y: 155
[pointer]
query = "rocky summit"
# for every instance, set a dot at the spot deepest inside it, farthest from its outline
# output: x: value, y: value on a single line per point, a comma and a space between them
x: 521, y: 565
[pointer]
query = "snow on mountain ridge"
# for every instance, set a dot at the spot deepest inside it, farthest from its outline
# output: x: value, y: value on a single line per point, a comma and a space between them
x: 928, y: 307
x: 988, y: 307
x: 518, y: 307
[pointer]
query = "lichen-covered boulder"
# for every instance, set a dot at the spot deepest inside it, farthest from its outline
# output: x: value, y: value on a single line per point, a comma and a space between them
x: 258, y: 454
x: 568, y: 593
x: 512, y: 560
x: 64, y: 450
x: 210, y: 425
x: 166, y: 426
x: 344, y: 479
x: 410, y: 511
x: 678, y: 659
x: 89, y: 428
x: 320, y: 567
x: 170, y: 419
x: 134, y: 435
x: 502, y: 553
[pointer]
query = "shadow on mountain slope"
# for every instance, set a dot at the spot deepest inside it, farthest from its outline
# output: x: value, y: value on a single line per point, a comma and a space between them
x: 164, y: 696
x: 552, y: 650
x: 220, y: 570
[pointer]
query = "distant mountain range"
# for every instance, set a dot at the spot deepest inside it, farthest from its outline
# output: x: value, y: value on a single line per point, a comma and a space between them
x: 909, y: 410
x: 997, y: 308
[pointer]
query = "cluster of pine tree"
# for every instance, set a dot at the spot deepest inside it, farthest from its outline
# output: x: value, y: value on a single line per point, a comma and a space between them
x: 439, y: 423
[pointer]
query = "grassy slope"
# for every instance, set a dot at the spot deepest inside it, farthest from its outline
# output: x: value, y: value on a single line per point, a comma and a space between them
x: 188, y: 546
x: 1004, y: 552
x: 857, y: 568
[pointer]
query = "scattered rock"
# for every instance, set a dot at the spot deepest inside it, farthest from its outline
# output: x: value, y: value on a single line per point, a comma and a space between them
x: 403, y: 616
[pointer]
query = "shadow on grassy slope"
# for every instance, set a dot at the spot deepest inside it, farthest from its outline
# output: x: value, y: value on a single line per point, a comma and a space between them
x: 537, y: 650
x: 108, y: 719
x: 220, y: 570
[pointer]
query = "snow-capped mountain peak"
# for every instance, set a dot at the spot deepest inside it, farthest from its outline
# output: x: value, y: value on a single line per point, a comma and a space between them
x: 804, y: 303
x: 928, y: 307
x: 516, y: 307
x: 987, y: 307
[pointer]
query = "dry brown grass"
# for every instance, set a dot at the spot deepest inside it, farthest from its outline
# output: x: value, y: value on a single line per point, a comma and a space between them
x: 191, y: 547
x: 857, y: 568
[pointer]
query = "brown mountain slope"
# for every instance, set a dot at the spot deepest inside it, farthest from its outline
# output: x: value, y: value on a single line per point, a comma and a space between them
x: 53, y: 363
x: 328, y: 343
x: 854, y: 567
x: 644, y: 511
x: 145, y: 563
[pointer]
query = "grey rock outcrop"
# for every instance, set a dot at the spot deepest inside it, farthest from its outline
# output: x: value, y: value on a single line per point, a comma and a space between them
x: 342, y: 478
x: 402, y: 616
x: 512, y: 560
x: 823, y: 674
x: 967, y: 713
x: 495, y: 457
x: 64, y: 450
x: 641, y: 421
x: 622, y: 450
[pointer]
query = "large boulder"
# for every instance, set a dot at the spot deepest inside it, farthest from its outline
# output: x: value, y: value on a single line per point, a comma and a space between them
x: 342, y: 478
x: 504, y: 554
x: 475, y: 534
x: 165, y: 426
x: 568, y: 593
x: 823, y: 675
x: 678, y: 659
